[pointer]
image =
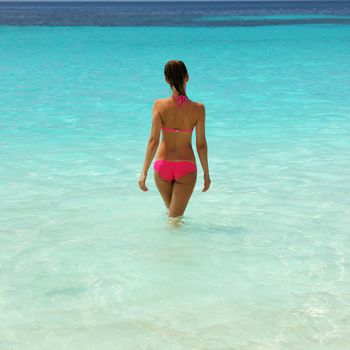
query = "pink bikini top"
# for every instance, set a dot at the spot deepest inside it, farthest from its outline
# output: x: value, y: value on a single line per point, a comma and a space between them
x: 181, y: 99
x: 176, y: 129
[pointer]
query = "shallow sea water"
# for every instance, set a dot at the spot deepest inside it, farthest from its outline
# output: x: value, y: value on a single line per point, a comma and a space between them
x: 261, y: 261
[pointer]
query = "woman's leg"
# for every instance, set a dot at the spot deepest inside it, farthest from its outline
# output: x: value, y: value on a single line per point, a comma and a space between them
x: 165, y: 188
x: 182, y: 191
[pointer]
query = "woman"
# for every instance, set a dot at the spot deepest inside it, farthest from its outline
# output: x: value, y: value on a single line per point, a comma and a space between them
x: 175, y: 170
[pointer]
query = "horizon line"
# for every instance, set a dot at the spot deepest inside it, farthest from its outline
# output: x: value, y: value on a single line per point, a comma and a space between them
x: 175, y: 1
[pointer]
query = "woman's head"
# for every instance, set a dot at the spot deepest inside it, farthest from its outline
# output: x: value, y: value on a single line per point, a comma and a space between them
x: 176, y: 75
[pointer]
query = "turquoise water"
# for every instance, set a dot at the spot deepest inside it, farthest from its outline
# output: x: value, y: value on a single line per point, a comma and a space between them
x: 88, y: 260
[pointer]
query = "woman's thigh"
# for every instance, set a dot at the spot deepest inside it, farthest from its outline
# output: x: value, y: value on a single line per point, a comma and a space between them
x: 165, y: 188
x: 181, y: 193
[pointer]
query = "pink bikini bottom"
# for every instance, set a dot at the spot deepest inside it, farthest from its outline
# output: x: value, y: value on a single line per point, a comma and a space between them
x: 172, y: 170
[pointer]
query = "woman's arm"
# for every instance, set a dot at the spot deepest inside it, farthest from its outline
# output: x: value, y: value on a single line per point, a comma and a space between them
x: 152, y: 145
x: 202, y: 147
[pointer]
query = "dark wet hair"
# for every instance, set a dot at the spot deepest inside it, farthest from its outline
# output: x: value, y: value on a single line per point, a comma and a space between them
x: 175, y: 72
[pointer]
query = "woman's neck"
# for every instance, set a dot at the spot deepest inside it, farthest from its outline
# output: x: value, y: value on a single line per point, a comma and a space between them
x: 176, y: 94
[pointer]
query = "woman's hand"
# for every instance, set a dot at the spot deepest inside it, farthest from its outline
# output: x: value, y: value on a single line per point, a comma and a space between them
x: 142, y: 182
x: 207, y: 183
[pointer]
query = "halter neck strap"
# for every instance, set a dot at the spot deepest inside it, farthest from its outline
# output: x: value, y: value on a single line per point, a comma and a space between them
x: 181, y: 99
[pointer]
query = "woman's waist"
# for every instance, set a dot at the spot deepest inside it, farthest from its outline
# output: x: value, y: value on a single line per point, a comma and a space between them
x: 175, y: 147
x: 181, y: 154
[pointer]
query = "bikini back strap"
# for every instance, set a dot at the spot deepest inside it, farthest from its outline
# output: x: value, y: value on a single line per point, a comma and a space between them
x: 176, y: 129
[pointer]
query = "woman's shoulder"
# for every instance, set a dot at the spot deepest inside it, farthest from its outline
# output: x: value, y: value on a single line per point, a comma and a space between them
x: 200, y: 104
x: 197, y: 104
x: 199, y: 107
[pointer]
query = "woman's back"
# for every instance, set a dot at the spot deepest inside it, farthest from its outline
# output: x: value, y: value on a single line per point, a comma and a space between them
x: 177, y: 126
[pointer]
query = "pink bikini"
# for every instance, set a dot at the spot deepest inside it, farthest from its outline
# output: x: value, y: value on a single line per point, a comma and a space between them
x: 171, y: 170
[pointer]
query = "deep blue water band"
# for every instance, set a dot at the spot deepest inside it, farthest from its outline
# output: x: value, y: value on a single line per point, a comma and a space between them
x: 192, y: 13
